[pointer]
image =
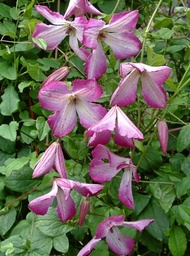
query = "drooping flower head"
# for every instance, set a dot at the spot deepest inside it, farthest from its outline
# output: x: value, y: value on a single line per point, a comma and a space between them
x: 54, y: 34
x: 61, y: 189
x: 101, y: 172
x: 117, y: 34
x: 57, y: 75
x: 52, y: 159
x: 152, y: 79
x: 80, y: 7
x: 119, y: 244
x: 65, y: 103
x: 114, y: 120
x: 163, y: 135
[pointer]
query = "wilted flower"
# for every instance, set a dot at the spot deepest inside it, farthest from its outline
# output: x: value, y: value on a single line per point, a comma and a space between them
x: 114, y: 120
x: 61, y: 189
x: 119, y: 244
x: 65, y: 103
x: 57, y: 75
x: 101, y: 172
x: 152, y: 79
x: 52, y: 159
x: 79, y: 7
x: 163, y: 135
x: 54, y: 34
x: 117, y: 34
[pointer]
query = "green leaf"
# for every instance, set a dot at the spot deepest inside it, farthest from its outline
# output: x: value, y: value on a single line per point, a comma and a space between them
x: 185, y: 165
x: 8, y: 71
x: 42, y: 127
x: 15, y: 243
x: 9, y: 102
x: 161, y: 221
x: 177, y: 241
x: 183, y: 140
x: 24, y: 85
x: 183, y: 187
x: 61, y: 243
x: 21, y: 180
x: 35, y: 72
x: 9, y: 132
x: 40, y: 42
x: 165, y: 194
x: 51, y: 225
x: 4, y: 11
x: 7, y: 219
x: 15, y: 164
x: 140, y: 201
x: 165, y: 33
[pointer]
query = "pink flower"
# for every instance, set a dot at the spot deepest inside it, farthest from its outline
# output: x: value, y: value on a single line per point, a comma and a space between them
x: 152, y: 79
x: 117, y: 34
x: 79, y: 7
x: 61, y: 189
x: 52, y: 159
x: 57, y: 75
x: 114, y: 120
x: 54, y: 34
x: 119, y: 244
x: 102, y: 172
x: 65, y: 103
x: 163, y: 135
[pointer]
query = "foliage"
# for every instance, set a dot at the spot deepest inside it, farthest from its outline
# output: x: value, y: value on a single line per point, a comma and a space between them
x: 163, y: 191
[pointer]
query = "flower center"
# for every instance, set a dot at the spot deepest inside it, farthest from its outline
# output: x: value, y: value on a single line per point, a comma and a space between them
x: 73, y: 99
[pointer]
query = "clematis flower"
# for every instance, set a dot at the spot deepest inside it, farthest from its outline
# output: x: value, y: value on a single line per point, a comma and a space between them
x: 57, y: 75
x: 79, y: 7
x: 152, y: 79
x: 102, y: 172
x: 163, y: 135
x: 119, y: 244
x: 52, y: 159
x: 65, y: 103
x: 114, y: 120
x: 61, y: 189
x: 54, y: 34
x: 117, y: 34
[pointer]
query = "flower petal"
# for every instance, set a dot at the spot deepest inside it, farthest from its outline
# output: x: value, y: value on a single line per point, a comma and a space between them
x: 105, y: 226
x: 107, y: 123
x: 54, y: 95
x: 57, y: 75
x: 124, y: 45
x: 80, y: 52
x: 95, y: 68
x: 41, y: 204
x: 87, y: 189
x: 123, y: 21
x: 91, y: 32
x: 99, y: 138
x: 63, y: 121
x: 126, y: 127
x: 54, y: 17
x: 125, y: 189
x: 89, y: 113
x: 125, y: 94
x: 89, y: 247
x: 120, y: 245
x: 87, y: 90
x: 79, y: 7
x: 123, y: 141
x: 59, y: 162
x: 153, y: 93
x: 139, y: 225
x: 66, y: 208
x: 53, y: 35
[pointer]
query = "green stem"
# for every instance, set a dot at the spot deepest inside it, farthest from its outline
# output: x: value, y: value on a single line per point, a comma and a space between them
x: 115, y: 8
x: 148, y: 29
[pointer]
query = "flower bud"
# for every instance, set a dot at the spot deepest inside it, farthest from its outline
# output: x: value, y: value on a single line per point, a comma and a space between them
x: 84, y: 210
x: 163, y: 135
x: 57, y: 75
